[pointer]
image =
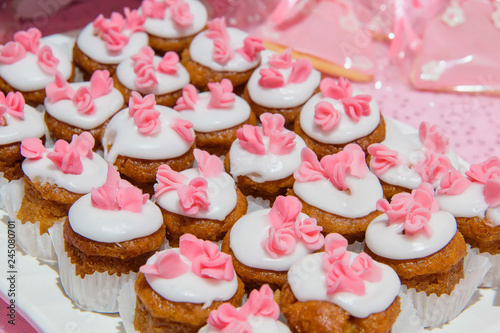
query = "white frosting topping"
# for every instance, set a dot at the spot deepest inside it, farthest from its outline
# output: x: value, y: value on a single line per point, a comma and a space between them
x: 32, y: 125
x: 66, y: 111
x: 206, y: 120
x: 45, y: 171
x: 346, y: 130
x: 290, y: 95
x: 202, y: 49
x: 26, y: 74
x: 258, y: 324
x: 389, y: 241
x: 308, y: 283
x: 190, y: 287
x: 247, y: 236
x: 361, y: 200
x: 167, y: 28
x: 166, y: 83
x: 111, y: 226
x: 262, y: 168
x: 95, y: 48
x: 121, y: 132
x: 220, y: 191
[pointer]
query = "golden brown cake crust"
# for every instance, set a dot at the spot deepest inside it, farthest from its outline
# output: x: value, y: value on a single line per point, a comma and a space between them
x: 155, y: 314
x: 480, y: 235
x: 323, y: 149
x: 437, y: 273
x: 163, y: 45
x: 10, y: 161
x: 90, y: 256
x: 88, y: 65
x: 213, y: 230
x: 321, y: 316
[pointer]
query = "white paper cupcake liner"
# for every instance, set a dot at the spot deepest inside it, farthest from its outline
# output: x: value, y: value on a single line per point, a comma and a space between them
x: 407, y: 321
x: 257, y: 203
x: 126, y: 305
x: 435, y: 311
x: 11, y: 195
x: 96, y: 292
x: 3, y: 192
x: 492, y: 278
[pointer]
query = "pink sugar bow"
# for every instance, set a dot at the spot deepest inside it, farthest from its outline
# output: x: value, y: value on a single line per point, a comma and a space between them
x: 100, y: 83
x: 208, y: 165
x: 183, y: 128
x: 193, y: 197
x: 417, y: 220
x: 453, y: 183
x: 335, y: 250
x: 134, y: 20
x: 168, y: 265
x: 433, y: 139
x: 46, y: 60
x: 146, y: 79
x: 326, y: 116
x: 145, y: 116
x: 154, y: 9
x: 30, y: 39
x: 59, y: 89
x: 382, y: 158
x: 251, y: 48
x: 478, y: 172
x: 272, y: 123
x: 281, y: 141
x: 115, y: 40
x: 351, y: 160
x: 396, y: 210
x: 218, y: 32
x: 285, y: 212
x: 301, y: 69
x: 146, y: 54
x: 310, y: 169
x: 84, y: 101
x: 227, y: 319
x: 364, y: 267
x: 32, y: 148
x: 168, y: 180
x: 250, y: 139
x: 11, y: 52
x: 169, y: 63
x: 188, y: 99
x: 488, y: 173
x: 111, y: 30
x: 433, y: 167
x: 12, y: 104
x: 271, y: 78
x: 67, y: 157
x: 181, y: 15
x: 491, y: 190
x: 221, y: 94
x: 282, y: 60
x: 341, y: 278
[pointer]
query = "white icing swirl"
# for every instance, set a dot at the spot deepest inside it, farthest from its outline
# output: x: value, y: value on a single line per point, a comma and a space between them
x: 347, y: 130
x: 361, y: 200
x: 262, y: 168
x: 191, y: 288
x: 111, y: 226
x: 308, y: 283
x: 202, y: 48
x: 26, y: 74
x: 207, y: 120
x: 32, y: 125
x: 288, y: 96
x: 66, y: 111
x: 221, y: 195
x: 257, y: 324
x: 389, y: 241
x: 167, y: 28
x: 121, y: 132
x: 95, y: 48
x: 246, y: 239
x: 166, y: 83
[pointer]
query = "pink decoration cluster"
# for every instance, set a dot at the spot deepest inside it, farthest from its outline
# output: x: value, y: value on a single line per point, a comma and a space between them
x: 271, y: 77
x: 488, y: 173
x: 100, y: 84
x: 112, y: 30
x: 281, y: 141
x: 287, y: 228
x: 335, y: 168
x: 342, y: 275
x: 29, y: 41
x: 12, y: 104
x: 259, y: 304
x: 142, y: 110
x: 206, y: 261
x: 118, y: 194
x: 453, y: 183
x: 188, y: 99
x: 145, y: 69
x: 383, y: 158
x: 412, y: 210
x: 179, y: 11
x: 221, y: 96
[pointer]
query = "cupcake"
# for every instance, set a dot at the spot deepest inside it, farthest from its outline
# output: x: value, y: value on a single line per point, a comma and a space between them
x: 103, y: 43
x: 203, y: 201
x: 340, y: 191
x: 29, y: 62
x: 258, y: 314
x: 282, y: 85
x: 149, y: 74
x: 216, y: 115
x: 172, y: 25
x: 262, y: 160
x: 72, y: 108
x: 337, y: 116
x: 108, y: 235
x: 54, y: 179
x: 340, y: 291
x: 140, y: 138
x: 219, y: 53
x: 178, y: 288
x: 264, y: 244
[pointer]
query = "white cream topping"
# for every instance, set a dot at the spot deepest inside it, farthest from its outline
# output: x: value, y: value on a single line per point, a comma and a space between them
x: 361, y: 201
x: 262, y: 168
x: 167, y: 28
x: 45, y: 171
x: 111, y: 226
x: 347, y: 130
x: 221, y: 195
x: 122, y: 133
x: 258, y: 324
x: 32, y: 125
x: 202, y: 48
x: 191, y: 288
x: 27, y: 75
x: 389, y: 241
x: 207, y: 120
x: 308, y: 283
x: 95, y: 48
x: 166, y: 83
x: 66, y: 111
x: 288, y: 96
x: 247, y: 236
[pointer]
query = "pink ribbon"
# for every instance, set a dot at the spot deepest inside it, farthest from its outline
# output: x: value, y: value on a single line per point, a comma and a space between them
x: 208, y: 165
x: 67, y: 157
x: 32, y: 148
x: 188, y: 99
x: 221, y: 95
x: 12, y: 104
